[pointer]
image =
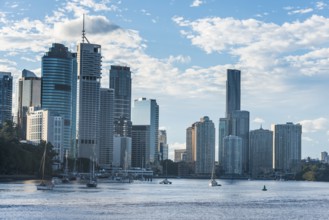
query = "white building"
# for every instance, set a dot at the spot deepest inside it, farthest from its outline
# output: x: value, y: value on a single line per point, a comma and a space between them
x: 42, y: 126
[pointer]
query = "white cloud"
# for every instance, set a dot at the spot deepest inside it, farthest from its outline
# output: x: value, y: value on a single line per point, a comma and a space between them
x: 307, y: 139
x: 259, y: 120
x: 320, y: 5
x: 301, y: 11
x: 314, y: 125
x: 196, y: 3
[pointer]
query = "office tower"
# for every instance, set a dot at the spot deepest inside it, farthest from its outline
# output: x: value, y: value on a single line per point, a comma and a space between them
x: 140, y: 146
x: 120, y: 81
x: 58, y: 90
x: 240, y: 127
x: 201, y: 143
x: 261, y: 152
x: 43, y: 125
x: 190, y: 145
x: 146, y: 113
x: 29, y: 94
x: 122, y: 152
x: 6, y: 94
x: 233, y: 91
x: 232, y: 163
x: 88, y: 102
x: 287, y: 147
x: 163, y: 146
x: 223, y: 132
x: 324, y: 157
x: 106, y: 127
x: 180, y: 155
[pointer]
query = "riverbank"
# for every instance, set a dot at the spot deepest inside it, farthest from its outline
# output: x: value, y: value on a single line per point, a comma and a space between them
x: 9, y: 178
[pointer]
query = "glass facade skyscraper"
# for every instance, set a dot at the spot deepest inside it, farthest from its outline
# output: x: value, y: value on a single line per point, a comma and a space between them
x: 120, y: 81
x: 58, y: 90
x: 233, y: 91
x: 6, y: 93
x: 146, y: 112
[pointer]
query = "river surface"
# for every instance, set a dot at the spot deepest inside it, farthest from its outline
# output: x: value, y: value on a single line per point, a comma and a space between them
x: 184, y: 199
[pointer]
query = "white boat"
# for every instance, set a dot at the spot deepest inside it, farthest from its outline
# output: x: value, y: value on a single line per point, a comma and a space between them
x: 44, y: 185
x: 213, y: 181
x: 165, y: 181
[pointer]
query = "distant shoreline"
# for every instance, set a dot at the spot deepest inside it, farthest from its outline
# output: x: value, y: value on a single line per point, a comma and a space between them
x: 9, y: 178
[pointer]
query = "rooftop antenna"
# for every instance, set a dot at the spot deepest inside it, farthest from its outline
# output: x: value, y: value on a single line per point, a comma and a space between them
x: 83, y: 31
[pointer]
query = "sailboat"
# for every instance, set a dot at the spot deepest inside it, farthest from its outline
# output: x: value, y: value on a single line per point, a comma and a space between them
x: 44, y: 185
x: 166, y: 181
x: 92, y: 182
x: 65, y: 178
x: 213, y: 181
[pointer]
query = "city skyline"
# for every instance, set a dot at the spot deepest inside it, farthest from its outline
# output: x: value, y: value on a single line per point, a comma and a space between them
x: 180, y: 57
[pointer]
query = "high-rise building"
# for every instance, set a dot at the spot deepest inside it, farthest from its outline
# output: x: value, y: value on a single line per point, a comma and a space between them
x: 236, y: 122
x: 106, y: 129
x: 122, y: 152
x: 202, y: 145
x: 43, y: 125
x: 287, y: 147
x: 140, y: 146
x: 120, y: 81
x: 239, y: 121
x: 233, y: 91
x: 324, y: 157
x: 223, y: 132
x: 29, y: 94
x: 58, y: 90
x: 261, y: 152
x: 88, y: 102
x: 146, y: 113
x: 6, y: 94
x: 163, y: 146
x: 190, y: 145
x: 179, y: 155
x: 232, y: 163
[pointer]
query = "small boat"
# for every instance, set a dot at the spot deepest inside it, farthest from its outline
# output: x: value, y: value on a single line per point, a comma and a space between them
x: 165, y: 181
x: 44, y: 185
x: 264, y: 188
x: 213, y: 181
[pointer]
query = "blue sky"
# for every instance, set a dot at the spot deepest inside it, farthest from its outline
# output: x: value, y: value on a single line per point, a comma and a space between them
x: 179, y: 50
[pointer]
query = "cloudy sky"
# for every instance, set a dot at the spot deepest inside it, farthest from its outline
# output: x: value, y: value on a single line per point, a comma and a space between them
x: 179, y: 50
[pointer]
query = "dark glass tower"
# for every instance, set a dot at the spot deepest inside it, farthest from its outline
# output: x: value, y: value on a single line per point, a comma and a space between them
x: 58, y: 90
x: 120, y: 81
x: 233, y: 91
x: 6, y: 93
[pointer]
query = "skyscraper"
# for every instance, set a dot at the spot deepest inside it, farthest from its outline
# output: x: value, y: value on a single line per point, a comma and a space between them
x: 146, y: 113
x: 29, y: 94
x: 163, y: 146
x: 120, y: 81
x: 140, y: 147
x: 233, y: 91
x: 58, y: 90
x: 287, y: 147
x: 88, y: 101
x: 232, y: 163
x: 239, y: 121
x: 106, y: 127
x: 222, y: 133
x: 200, y: 145
x: 261, y: 152
x: 6, y: 93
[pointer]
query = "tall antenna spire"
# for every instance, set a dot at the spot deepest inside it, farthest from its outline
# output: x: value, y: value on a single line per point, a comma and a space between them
x: 83, y: 30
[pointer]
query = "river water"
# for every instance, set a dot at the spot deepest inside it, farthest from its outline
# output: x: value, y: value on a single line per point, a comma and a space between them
x: 184, y: 199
